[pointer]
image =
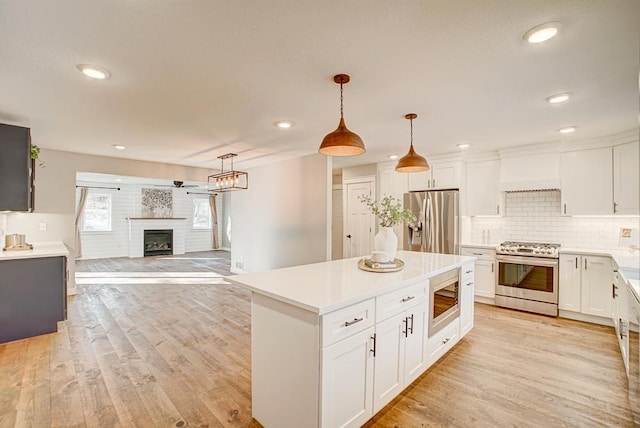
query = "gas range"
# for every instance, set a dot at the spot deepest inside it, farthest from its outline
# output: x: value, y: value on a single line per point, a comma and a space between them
x: 535, y: 249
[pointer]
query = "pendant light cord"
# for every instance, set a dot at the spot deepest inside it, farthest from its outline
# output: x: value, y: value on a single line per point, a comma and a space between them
x: 411, y: 122
x: 341, y: 112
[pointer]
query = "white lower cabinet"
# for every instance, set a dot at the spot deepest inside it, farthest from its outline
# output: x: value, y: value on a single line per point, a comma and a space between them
x: 485, y: 270
x: 466, y: 302
x: 347, y: 379
x: 400, y: 356
x: 585, y: 284
x: 442, y: 341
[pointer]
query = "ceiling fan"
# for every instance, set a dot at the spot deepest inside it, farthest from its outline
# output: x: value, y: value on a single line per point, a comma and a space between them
x: 178, y: 185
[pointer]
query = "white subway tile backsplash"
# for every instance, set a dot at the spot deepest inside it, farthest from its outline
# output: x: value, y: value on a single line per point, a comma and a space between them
x: 536, y: 216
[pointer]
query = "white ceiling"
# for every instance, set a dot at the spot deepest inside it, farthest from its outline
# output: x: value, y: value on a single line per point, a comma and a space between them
x: 192, y: 80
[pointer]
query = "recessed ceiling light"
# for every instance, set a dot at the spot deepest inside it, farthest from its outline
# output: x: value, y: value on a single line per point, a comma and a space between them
x: 393, y: 157
x: 567, y: 130
x: 558, y: 98
x: 93, y: 71
x: 541, y: 33
x: 119, y: 147
x: 464, y: 146
x: 284, y: 124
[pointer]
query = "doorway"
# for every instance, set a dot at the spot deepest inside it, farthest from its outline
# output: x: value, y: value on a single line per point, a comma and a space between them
x: 359, y: 223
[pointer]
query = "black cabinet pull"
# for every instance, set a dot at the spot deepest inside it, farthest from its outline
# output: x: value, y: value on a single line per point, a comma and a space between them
x: 405, y: 321
x: 406, y: 299
x: 411, y: 324
x: 374, y: 345
x: 355, y: 320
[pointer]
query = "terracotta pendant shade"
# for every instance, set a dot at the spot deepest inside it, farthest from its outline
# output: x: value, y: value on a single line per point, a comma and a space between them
x: 341, y: 142
x: 412, y: 162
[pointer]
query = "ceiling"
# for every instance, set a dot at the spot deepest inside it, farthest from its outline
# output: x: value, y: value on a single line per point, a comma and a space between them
x: 192, y: 80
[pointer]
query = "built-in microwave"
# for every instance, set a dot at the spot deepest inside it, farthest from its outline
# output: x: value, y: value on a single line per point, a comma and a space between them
x: 444, y: 296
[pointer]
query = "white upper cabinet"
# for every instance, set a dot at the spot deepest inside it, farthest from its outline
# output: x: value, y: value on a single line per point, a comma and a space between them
x: 483, y: 197
x: 586, y: 182
x: 526, y: 170
x: 390, y: 182
x: 626, y: 179
x: 442, y: 175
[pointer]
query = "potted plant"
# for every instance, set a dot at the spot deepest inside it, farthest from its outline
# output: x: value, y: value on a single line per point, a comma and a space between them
x: 389, y: 212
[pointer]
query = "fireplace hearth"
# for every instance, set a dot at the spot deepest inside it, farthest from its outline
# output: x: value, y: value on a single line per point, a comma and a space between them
x: 158, y: 242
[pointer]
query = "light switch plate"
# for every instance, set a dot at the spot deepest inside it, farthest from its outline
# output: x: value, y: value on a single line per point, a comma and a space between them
x: 43, y: 225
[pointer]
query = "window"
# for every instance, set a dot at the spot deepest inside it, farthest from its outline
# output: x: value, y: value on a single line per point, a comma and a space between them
x: 201, y: 214
x: 97, y: 213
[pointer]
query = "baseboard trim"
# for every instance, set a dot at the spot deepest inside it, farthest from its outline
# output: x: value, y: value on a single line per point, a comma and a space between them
x: 593, y: 319
x: 486, y: 300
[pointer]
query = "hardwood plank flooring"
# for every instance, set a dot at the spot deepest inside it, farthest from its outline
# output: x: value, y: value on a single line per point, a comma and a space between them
x: 179, y: 355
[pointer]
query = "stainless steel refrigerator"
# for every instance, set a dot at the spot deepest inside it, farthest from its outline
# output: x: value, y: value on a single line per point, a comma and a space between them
x: 437, y: 229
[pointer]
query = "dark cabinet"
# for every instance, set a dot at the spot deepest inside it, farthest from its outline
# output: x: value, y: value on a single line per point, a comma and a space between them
x: 33, y: 296
x: 16, y: 169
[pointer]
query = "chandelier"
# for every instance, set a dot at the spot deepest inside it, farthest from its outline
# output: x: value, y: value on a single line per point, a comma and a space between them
x: 226, y: 181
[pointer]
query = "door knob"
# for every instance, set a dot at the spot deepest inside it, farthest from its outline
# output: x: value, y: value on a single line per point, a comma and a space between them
x: 349, y: 236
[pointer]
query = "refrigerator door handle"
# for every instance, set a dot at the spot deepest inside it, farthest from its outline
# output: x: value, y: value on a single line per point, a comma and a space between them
x: 428, y: 244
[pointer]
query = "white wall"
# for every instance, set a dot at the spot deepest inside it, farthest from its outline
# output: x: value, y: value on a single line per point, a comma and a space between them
x: 55, y: 196
x: 284, y: 218
x: 535, y: 216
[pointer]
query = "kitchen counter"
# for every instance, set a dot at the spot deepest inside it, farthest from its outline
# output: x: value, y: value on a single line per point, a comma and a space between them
x: 40, y: 249
x: 325, y: 287
x: 486, y: 246
x: 623, y: 258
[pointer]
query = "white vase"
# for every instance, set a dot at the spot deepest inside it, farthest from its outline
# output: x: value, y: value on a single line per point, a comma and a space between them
x: 387, y: 242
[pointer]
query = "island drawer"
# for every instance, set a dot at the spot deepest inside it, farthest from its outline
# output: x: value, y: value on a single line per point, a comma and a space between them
x: 344, y: 322
x: 480, y: 253
x: 442, y: 341
x: 397, y: 301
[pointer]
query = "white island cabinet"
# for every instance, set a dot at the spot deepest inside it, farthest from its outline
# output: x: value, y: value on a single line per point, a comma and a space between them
x: 332, y: 344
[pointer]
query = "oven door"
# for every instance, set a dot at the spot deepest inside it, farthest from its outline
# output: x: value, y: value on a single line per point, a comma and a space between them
x: 531, y: 278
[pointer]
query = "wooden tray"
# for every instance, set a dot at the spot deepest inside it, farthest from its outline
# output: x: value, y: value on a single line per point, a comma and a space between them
x: 400, y: 265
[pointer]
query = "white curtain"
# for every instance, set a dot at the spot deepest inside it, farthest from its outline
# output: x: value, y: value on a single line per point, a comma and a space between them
x: 83, y: 201
x: 214, y: 221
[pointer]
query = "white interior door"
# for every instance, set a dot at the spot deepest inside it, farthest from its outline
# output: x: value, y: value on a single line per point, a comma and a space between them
x: 336, y: 224
x: 360, y: 223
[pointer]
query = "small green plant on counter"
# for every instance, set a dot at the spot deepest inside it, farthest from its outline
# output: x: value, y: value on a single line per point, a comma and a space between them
x: 389, y: 212
x: 35, y: 155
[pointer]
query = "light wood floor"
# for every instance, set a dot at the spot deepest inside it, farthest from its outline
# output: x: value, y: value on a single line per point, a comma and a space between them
x: 179, y: 355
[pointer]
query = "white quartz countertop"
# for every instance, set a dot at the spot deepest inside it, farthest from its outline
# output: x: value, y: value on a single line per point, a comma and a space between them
x: 40, y: 249
x: 325, y: 287
x: 486, y: 246
x: 623, y: 258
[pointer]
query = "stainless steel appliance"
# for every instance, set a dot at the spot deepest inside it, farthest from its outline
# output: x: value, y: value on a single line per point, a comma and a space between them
x: 527, y: 277
x: 444, y: 296
x: 437, y: 229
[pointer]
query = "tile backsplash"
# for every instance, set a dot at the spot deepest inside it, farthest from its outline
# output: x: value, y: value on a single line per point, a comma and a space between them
x: 535, y: 216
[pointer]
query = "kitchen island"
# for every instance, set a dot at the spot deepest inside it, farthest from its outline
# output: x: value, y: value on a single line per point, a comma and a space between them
x: 332, y: 344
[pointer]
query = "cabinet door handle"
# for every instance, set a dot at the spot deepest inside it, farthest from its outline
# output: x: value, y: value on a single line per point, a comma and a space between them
x: 477, y: 254
x: 405, y: 321
x: 585, y: 264
x: 406, y: 299
x: 491, y: 267
x: 374, y: 345
x: 498, y: 209
x: 411, y: 328
x: 565, y: 208
x: 615, y: 207
x: 434, y: 182
x: 445, y: 341
x: 355, y: 320
x: 576, y: 263
x: 468, y: 271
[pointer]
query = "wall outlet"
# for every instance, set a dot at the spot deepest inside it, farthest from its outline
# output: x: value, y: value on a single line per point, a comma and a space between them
x: 43, y: 226
x: 240, y: 265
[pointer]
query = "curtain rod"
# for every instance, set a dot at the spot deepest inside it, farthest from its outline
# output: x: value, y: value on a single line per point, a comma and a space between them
x: 96, y: 187
x: 197, y: 193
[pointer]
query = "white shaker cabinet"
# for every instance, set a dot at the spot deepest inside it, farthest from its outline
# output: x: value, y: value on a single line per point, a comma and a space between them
x: 347, y: 379
x: 483, y: 196
x: 466, y: 299
x: 485, y: 270
x: 392, y: 183
x: 442, y: 175
x: 586, y: 182
x: 585, y: 284
x: 626, y: 179
x: 596, y: 286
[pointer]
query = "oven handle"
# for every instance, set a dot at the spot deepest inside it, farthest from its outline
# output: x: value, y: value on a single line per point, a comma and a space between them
x: 524, y: 260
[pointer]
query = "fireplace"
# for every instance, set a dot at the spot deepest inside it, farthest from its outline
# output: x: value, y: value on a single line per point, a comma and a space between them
x: 158, y: 242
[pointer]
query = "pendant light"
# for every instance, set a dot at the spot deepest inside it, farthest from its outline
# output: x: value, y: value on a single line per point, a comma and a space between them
x: 412, y: 162
x: 341, y: 142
